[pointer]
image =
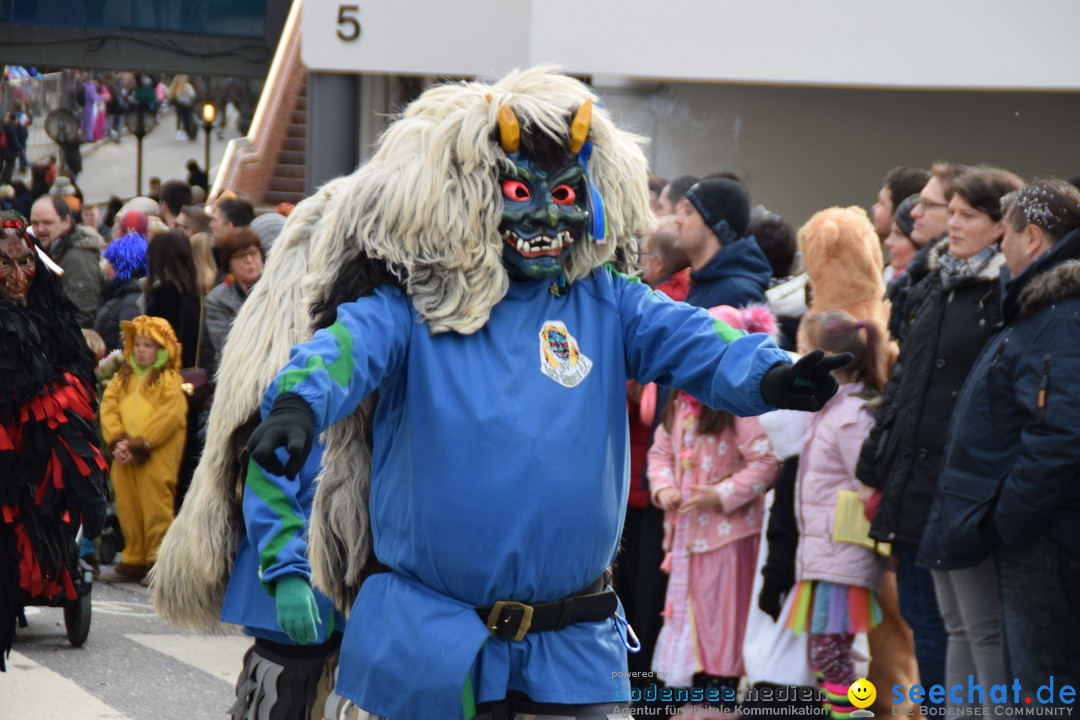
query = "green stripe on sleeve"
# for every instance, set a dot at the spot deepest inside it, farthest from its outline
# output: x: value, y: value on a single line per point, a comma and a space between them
x: 292, y: 525
x: 629, y: 278
x: 726, y: 332
x: 340, y: 370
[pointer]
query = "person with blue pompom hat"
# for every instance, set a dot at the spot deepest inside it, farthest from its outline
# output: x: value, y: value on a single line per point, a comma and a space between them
x: 124, y: 262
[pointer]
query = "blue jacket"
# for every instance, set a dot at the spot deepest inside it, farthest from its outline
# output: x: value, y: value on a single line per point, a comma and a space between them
x: 276, y: 512
x: 737, y: 276
x: 499, y: 471
x: 1012, y: 464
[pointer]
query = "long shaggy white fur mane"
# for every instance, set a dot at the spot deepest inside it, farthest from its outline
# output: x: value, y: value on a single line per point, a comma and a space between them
x: 428, y: 204
x: 195, y: 559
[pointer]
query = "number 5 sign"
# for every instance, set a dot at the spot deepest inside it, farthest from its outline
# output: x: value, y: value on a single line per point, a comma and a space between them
x: 348, y: 22
x: 462, y: 37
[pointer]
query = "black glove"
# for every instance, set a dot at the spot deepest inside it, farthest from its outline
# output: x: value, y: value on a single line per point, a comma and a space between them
x: 806, y: 385
x: 771, y: 599
x: 290, y: 425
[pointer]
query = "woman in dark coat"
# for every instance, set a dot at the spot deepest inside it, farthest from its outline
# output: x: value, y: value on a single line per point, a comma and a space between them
x: 949, y: 316
x: 172, y: 293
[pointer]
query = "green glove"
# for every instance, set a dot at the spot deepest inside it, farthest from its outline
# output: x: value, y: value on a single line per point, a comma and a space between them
x: 297, y: 613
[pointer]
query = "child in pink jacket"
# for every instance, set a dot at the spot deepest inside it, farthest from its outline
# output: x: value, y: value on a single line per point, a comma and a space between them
x: 837, y: 582
x: 709, y: 471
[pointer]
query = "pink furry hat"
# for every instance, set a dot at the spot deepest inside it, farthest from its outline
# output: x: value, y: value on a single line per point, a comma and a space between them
x: 752, y: 318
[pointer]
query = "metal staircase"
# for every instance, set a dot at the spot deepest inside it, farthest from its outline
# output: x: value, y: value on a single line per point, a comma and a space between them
x: 268, y: 165
x: 287, y: 179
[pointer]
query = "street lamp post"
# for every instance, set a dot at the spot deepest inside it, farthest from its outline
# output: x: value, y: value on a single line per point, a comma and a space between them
x: 139, y: 120
x: 208, y: 113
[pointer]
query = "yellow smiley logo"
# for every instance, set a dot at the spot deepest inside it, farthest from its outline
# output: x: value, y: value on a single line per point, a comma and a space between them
x: 862, y: 693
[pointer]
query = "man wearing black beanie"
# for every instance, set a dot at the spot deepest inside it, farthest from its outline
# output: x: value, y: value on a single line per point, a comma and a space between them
x: 727, y: 267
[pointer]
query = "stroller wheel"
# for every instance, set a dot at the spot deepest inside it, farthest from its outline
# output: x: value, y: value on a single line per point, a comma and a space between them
x: 107, y: 552
x: 111, y: 541
x: 77, y: 620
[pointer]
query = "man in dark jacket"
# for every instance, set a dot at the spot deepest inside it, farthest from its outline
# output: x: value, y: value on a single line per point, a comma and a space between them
x: 727, y: 268
x: 75, y: 250
x: 1010, y: 479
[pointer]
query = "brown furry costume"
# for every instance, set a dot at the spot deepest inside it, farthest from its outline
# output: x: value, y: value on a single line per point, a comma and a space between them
x: 842, y: 256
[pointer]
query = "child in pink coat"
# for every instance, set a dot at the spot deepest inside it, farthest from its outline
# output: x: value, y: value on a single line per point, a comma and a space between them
x: 837, y: 581
x: 709, y: 471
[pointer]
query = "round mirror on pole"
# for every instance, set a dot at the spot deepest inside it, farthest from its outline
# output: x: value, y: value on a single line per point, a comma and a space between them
x: 62, y: 126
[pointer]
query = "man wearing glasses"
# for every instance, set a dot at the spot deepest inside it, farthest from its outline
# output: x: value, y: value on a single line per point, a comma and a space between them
x: 191, y: 220
x: 931, y: 217
x: 931, y: 213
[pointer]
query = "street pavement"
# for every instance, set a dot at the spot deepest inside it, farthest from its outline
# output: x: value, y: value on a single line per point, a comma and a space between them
x: 132, y: 667
x: 110, y: 168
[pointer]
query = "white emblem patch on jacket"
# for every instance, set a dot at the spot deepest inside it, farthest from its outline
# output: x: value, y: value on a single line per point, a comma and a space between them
x: 561, y: 358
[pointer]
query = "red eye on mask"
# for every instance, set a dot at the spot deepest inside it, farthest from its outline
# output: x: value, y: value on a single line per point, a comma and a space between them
x: 564, y: 195
x: 515, y: 190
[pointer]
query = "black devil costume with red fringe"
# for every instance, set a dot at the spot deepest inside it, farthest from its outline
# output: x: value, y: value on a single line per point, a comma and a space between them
x: 52, y: 474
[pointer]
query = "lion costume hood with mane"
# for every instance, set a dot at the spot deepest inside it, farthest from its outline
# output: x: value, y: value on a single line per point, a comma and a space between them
x: 424, y: 214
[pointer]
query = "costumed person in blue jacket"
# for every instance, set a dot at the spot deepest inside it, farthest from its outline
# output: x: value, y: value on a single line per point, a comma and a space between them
x: 52, y: 474
x: 238, y: 553
x: 296, y: 629
x: 466, y: 331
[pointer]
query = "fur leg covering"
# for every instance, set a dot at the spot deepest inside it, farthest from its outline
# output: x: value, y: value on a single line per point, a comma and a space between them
x: 196, y: 556
x: 339, y: 545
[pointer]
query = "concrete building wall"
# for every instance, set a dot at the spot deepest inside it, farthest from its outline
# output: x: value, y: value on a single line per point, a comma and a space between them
x: 801, y: 149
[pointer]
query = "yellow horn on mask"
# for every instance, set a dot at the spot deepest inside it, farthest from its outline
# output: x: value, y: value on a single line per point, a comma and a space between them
x: 509, y: 130
x: 579, y: 128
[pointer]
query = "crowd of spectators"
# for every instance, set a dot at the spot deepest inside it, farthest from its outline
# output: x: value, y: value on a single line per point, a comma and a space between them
x: 954, y: 433
x: 958, y: 460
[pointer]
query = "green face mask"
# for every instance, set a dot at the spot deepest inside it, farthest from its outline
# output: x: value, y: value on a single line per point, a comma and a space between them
x: 159, y: 362
x: 544, y: 213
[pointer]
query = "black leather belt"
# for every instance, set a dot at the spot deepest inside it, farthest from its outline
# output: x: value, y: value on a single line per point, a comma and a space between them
x: 511, y: 620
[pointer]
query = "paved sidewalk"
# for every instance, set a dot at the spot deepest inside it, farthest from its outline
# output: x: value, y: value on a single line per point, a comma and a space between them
x: 109, y: 168
x: 132, y: 667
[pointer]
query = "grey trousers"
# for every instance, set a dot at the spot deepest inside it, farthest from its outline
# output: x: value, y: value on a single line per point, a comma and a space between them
x: 970, y: 605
